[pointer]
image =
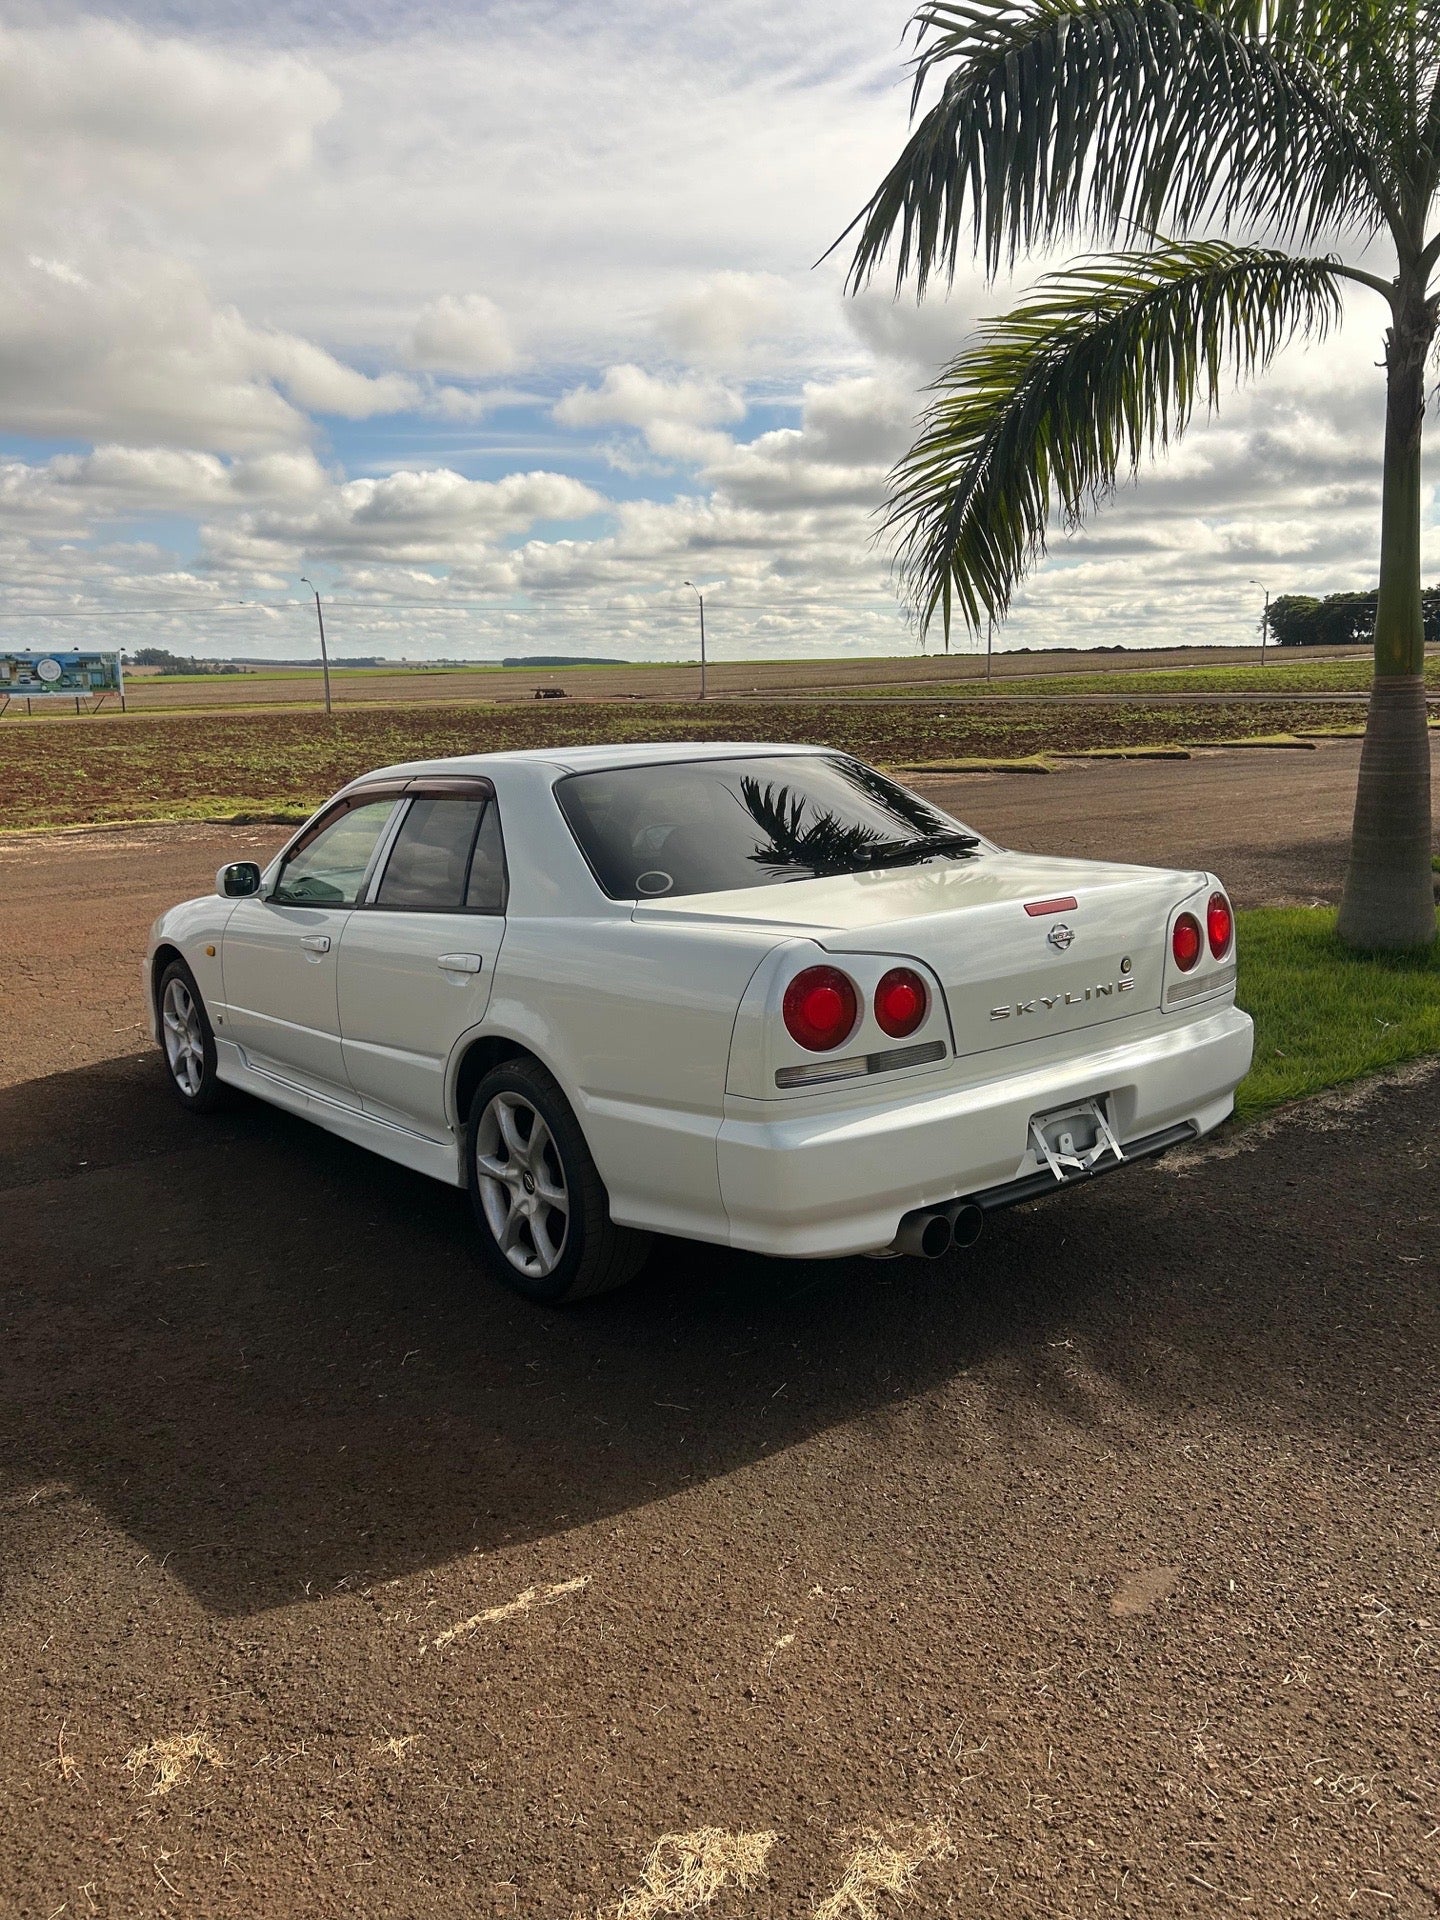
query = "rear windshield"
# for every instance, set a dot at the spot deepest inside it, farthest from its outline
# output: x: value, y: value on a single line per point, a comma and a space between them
x: 710, y: 826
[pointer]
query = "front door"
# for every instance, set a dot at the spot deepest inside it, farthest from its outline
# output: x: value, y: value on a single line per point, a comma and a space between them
x: 281, y: 949
x: 417, y: 960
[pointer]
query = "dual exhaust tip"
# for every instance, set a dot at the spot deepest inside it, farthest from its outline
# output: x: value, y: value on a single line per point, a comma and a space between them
x: 930, y: 1232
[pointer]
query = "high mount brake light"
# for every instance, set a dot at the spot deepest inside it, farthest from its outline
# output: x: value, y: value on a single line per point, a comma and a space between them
x: 901, y: 1002
x: 1219, y: 925
x: 821, y: 1008
x: 1186, y: 942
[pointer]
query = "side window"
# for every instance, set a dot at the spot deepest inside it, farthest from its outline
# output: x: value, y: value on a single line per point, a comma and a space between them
x: 430, y: 859
x: 328, y: 870
x: 486, y: 891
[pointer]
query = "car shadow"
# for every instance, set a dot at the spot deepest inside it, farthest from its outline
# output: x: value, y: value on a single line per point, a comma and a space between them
x: 279, y: 1365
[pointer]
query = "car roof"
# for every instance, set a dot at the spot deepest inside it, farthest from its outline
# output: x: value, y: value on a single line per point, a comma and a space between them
x: 597, y: 759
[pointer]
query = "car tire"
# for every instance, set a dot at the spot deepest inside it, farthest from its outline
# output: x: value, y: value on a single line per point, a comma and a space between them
x: 187, y: 1040
x: 540, y: 1205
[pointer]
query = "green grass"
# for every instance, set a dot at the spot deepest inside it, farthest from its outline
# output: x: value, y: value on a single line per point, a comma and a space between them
x: 1286, y: 675
x: 1323, y: 1015
x: 412, y: 670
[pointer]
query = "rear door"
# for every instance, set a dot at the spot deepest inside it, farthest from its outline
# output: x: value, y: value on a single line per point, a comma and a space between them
x: 280, y: 949
x: 417, y: 958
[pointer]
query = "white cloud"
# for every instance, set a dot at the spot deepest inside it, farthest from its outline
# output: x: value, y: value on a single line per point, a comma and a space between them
x: 630, y: 397
x: 721, y: 316
x: 920, y: 335
x: 138, y: 350
x: 850, y: 435
x: 131, y: 479
x: 110, y: 138
x: 596, y: 162
x: 676, y: 417
x: 318, y: 382
x: 462, y: 334
x: 434, y: 517
x: 100, y: 106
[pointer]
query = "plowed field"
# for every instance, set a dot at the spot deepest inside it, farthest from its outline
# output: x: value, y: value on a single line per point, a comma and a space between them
x: 58, y: 773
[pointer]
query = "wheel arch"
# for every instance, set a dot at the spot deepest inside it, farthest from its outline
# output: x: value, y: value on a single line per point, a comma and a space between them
x: 478, y: 1058
x: 159, y: 961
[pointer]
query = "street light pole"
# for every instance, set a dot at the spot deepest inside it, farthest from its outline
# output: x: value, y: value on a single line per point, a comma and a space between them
x: 324, y: 656
x: 1264, y: 623
x: 701, y: 598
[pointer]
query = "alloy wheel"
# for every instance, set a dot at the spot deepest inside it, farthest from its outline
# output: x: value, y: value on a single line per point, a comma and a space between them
x: 522, y: 1185
x: 184, y: 1037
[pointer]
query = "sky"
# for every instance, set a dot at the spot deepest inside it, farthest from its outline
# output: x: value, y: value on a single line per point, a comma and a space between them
x: 500, y: 322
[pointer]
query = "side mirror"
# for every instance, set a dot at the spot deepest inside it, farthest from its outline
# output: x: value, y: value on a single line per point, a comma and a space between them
x: 241, y: 877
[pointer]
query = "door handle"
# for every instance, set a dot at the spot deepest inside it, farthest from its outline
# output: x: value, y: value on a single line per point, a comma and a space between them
x: 460, y: 963
x: 315, y: 942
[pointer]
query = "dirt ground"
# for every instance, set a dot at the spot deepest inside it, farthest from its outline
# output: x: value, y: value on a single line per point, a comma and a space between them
x: 1274, y: 823
x: 78, y: 906
x: 1093, y: 1571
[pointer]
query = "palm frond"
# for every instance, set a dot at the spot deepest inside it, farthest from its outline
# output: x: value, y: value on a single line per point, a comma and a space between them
x: 1100, y: 366
x: 1104, y: 117
x: 1378, y: 55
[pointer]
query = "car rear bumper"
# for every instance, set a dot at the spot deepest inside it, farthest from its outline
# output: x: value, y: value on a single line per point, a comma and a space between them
x: 818, y: 1183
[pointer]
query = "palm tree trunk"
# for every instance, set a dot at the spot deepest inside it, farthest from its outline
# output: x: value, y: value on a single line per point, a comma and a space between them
x: 1389, y: 898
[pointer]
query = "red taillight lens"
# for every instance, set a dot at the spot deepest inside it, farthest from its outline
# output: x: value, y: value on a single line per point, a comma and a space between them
x: 901, y: 1002
x: 1220, y: 925
x: 821, y: 1006
x: 1186, y: 941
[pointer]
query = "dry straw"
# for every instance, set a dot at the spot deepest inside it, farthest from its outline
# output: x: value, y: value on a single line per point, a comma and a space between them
x: 522, y: 1603
x: 172, y: 1761
x: 685, y: 1871
x: 885, y: 1862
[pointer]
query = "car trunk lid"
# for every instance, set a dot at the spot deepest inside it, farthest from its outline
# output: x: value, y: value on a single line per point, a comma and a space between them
x: 1089, y: 950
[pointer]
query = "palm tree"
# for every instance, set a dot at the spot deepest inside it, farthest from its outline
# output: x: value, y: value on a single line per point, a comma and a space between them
x: 1185, y: 132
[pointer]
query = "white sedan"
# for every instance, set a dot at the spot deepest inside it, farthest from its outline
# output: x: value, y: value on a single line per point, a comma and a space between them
x: 757, y: 995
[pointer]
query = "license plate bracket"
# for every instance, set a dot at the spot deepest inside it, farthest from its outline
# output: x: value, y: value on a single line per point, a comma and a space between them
x: 1072, y: 1141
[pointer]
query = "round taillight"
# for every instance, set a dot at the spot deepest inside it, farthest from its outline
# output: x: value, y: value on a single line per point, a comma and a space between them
x: 1219, y: 925
x: 901, y: 1002
x: 821, y: 1007
x: 1186, y: 941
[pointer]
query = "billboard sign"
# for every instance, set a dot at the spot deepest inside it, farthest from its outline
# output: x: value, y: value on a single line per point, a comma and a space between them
x: 39, y: 676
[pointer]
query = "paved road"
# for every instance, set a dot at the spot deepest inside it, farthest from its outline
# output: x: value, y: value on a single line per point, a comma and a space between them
x: 1093, y: 1570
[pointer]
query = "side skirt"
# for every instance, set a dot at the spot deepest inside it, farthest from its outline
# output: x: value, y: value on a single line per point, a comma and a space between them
x: 439, y: 1159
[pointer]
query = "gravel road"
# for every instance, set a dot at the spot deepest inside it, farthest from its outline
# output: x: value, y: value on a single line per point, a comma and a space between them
x: 1093, y: 1571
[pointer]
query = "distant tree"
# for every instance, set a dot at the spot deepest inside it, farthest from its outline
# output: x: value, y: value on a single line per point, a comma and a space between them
x: 1148, y: 122
x: 1295, y: 620
x: 1340, y: 619
x: 168, y: 662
